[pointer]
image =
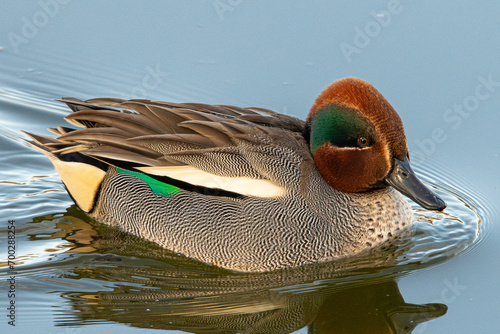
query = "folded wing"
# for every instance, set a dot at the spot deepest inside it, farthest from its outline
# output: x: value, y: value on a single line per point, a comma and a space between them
x: 245, y: 151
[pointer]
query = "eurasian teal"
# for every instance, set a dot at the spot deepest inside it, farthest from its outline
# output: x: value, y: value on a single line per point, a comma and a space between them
x: 246, y: 189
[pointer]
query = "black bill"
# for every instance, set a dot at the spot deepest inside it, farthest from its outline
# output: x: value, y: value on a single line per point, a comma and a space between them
x: 404, y: 179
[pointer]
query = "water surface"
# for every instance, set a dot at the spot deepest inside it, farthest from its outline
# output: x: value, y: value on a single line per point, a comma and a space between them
x: 75, y: 275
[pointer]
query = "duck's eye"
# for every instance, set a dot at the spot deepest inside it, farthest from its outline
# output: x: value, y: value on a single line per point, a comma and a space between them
x: 362, y: 142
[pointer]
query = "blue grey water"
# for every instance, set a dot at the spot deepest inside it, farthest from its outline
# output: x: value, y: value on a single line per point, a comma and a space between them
x: 436, y: 62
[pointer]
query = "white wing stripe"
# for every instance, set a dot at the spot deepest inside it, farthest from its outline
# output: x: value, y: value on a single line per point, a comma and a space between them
x: 241, y: 185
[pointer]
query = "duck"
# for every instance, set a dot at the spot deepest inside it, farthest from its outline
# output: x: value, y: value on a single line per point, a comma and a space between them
x: 244, y: 189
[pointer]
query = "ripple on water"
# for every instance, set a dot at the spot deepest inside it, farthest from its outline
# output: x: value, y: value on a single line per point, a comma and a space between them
x: 438, y: 236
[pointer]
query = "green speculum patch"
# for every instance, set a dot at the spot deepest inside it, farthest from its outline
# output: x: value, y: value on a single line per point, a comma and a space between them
x: 159, y: 188
x: 341, y: 126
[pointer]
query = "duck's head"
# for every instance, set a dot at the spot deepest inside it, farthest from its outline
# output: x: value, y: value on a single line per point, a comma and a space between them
x: 358, y: 143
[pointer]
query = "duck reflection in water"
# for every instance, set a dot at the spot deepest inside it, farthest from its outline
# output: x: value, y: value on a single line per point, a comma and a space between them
x: 374, y: 308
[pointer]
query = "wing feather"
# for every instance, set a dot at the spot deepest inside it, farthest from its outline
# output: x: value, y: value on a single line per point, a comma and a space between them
x: 189, y: 140
x: 135, y: 123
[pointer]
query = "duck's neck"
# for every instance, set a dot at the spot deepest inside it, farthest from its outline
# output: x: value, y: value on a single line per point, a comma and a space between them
x: 362, y: 220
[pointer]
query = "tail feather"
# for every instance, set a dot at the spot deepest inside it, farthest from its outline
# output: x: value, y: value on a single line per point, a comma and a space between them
x: 81, y: 178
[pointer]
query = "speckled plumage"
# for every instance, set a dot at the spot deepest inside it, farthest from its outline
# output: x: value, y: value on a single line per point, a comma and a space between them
x: 255, y: 234
x: 305, y: 220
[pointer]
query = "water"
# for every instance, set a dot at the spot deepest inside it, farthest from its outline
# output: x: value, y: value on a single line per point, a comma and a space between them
x: 75, y: 275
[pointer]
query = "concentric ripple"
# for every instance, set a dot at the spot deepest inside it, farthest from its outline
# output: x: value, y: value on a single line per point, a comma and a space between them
x: 439, y: 236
